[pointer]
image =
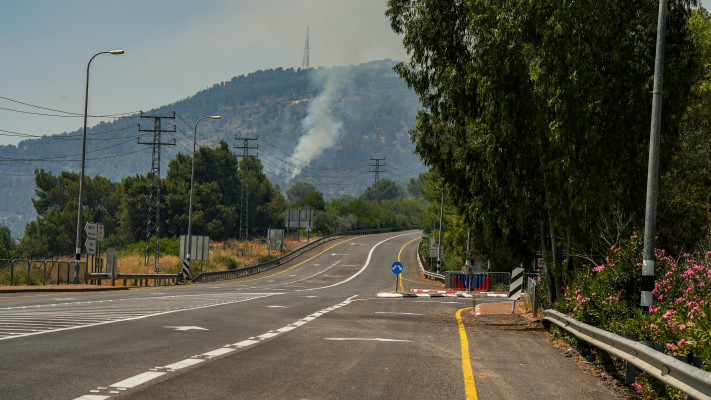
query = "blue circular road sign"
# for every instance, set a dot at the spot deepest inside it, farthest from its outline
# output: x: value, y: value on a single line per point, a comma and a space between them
x: 397, y: 267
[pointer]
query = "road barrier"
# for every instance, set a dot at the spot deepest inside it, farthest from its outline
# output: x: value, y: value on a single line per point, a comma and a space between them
x: 36, y: 272
x: 429, y: 275
x: 255, y: 269
x: 484, y: 282
x: 138, y: 279
x: 695, y: 382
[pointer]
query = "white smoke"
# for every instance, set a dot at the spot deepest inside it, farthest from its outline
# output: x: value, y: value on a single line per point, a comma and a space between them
x: 321, y: 126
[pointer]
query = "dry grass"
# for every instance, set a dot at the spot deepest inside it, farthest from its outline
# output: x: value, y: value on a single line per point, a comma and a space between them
x: 245, y: 253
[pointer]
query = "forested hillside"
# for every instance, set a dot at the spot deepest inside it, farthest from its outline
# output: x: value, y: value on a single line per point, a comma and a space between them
x: 344, y: 115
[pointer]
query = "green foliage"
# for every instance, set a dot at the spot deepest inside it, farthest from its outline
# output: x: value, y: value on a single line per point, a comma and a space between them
x: 266, y: 258
x: 299, y: 191
x: 535, y: 114
x: 313, y: 201
x: 384, y: 189
x: 226, y: 261
x: 166, y: 246
x: 7, y: 243
x: 53, y: 233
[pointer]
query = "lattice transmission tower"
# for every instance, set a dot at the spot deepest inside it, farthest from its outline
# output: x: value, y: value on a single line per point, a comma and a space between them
x: 376, y: 167
x: 305, y: 64
x: 153, y: 225
x: 244, y: 195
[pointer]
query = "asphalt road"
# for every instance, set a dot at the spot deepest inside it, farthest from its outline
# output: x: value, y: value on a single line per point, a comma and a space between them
x: 311, y: 329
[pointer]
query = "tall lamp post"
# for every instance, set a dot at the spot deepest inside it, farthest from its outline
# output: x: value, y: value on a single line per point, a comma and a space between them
x: 192, y: 181
x: 77, y: 256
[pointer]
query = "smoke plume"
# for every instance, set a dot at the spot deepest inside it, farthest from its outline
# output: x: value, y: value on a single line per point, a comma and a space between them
x: 322, y: 127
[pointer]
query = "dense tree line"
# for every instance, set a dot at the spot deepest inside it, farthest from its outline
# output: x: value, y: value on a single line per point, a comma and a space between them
x: 536, y: 117
x: 219, y: 178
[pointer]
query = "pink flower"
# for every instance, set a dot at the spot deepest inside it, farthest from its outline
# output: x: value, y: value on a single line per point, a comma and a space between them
x: 637, y: 387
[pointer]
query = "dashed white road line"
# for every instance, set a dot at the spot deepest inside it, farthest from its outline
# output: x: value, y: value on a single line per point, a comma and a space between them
x: 157, y: 372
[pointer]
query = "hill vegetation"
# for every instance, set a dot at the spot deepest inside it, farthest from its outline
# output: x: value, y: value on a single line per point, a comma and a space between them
x: 370, y: 107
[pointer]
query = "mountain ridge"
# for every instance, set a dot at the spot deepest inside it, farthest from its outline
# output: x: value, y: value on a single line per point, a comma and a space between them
x: 369, y: 107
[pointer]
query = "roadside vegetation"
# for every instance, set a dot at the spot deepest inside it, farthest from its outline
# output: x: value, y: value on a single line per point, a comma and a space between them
x: 536, y: 119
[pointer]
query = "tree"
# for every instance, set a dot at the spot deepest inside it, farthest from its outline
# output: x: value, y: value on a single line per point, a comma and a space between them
x: 7, y: 243
x: 536, y: 113
x: 299, y: 191
x: 384, y: 189
x: 313, y: 201
x: 53, y: 233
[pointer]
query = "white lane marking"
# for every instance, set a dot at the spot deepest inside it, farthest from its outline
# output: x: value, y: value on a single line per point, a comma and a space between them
x: 311, y: 297
x: 218, y: 352
x: 64, y: 298
x: 147, y: 376
x: 245, y: 343
x: 137, y: 380
x: 110, y: 311
x: 397, y: 313
x: 367, y: 262
x: 187, y: 328
x: 184, y: 364
x: 367, y: 339
x: 92, y: 397
x: 267, y: 335
x: 275, y: 306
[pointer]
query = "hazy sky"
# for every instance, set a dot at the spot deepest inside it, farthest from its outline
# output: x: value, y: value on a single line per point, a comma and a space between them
x: 173, y: 49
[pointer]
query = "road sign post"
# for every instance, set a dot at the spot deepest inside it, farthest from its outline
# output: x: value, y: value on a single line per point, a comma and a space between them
x: 397, y: 270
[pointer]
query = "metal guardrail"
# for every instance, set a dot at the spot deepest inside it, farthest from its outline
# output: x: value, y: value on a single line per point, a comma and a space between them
x: 693, y: 381
x: 138, y: 279
x: 429, y: 275
x: 48, y: 272
x: 255, y: 269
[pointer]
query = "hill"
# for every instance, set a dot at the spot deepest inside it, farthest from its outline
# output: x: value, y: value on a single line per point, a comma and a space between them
x: 319, y: 126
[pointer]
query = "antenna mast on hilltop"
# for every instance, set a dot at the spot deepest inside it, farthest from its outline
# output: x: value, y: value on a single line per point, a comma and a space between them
x: 305, y: 63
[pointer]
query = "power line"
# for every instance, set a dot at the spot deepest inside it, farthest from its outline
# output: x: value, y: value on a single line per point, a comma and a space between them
x: 64, y: 112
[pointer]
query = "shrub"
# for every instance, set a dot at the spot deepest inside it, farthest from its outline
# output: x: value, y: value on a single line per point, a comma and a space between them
x: 265, y: 258
x: 608, y: 296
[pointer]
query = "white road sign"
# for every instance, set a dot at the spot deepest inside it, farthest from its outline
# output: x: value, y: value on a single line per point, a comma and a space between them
x: 90, y: 246
x: 90, y: 229
x: 100, y: 232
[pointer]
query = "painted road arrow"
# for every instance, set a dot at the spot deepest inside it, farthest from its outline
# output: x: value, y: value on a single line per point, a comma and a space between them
x: 186, y: 328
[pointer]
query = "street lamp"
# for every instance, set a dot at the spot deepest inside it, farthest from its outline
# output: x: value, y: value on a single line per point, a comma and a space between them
x: 192, y: 180
x: 77, y: 256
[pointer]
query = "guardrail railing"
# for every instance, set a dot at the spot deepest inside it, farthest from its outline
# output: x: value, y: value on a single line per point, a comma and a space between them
x: 255, y: 269
x: 693, y: 381
x: 138, y: 279
x: 429, y: 275
x: 45, y: 272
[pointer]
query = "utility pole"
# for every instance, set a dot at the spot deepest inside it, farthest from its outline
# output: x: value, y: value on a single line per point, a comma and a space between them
x: 650, y: 217
x: 244, y: 195
x: 439, y: 249
x: 153, y: 225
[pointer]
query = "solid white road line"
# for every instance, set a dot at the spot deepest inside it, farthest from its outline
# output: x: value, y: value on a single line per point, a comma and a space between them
x: 367, y: 339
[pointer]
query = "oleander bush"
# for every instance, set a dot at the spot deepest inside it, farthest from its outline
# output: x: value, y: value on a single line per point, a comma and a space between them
x: 608, y: 296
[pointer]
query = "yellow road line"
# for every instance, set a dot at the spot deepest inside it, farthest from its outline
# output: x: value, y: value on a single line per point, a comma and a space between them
x: 303, y: 262
x: 469, y: 387
x: 402, y: 289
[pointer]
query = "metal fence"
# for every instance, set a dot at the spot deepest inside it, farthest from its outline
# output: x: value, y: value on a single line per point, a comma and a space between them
x: 40, y: 272
x: 695, y: 382
x: 486, y: 282
x: 527, y: 287
x: 255, y: 269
